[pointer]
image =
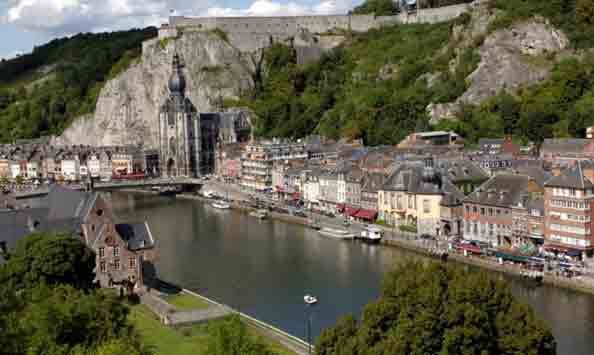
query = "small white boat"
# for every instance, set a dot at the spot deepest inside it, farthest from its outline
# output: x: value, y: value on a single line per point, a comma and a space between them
x: 260, y: 214
x: 336, y: 233
x: 221, y: 205
x: 310, y: 299
x: 371, y: 234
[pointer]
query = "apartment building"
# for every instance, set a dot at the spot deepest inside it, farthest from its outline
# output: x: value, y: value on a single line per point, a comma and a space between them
x: 568, y: 206
x: 258, y: 159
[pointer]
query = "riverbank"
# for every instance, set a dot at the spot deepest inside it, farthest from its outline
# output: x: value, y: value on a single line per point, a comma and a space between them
x: 515, y: 270
x: 179, y: 322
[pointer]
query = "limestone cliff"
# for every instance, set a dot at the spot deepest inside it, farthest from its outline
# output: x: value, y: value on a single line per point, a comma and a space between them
x: 128, y: 106
x: 510, y: 58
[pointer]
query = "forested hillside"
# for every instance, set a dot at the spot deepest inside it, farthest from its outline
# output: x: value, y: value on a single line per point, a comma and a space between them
x: 42, y: 92
x: 376, y: 85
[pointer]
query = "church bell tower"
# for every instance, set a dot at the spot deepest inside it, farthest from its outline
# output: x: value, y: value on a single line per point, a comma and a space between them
x: 179, y: 129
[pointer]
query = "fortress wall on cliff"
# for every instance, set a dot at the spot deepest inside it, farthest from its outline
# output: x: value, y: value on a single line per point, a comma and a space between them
x: 253, y: 33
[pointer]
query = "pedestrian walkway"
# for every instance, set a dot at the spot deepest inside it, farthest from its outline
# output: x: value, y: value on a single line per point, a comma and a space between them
x: 169, y: 315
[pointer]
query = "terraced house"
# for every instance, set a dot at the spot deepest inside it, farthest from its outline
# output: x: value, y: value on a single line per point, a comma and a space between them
x: 569, y: 204
x: 488, y: 210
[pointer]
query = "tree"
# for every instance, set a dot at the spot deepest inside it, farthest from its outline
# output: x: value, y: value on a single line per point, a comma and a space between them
x: 230, y: 337
x: 377, y: 7
x: 437, y: 308
x: 49, y: 259
x: 584, y: 11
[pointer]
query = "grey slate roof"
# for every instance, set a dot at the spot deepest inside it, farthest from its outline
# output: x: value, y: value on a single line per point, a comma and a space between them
x: 372, y: 182
x: 573, y: 177
x: 501, y: 190
x: 64, y: 203
x: 539, y: 175
x: 460, y: 170
x: 564, y: 145
x: 138, y: 235
x: 452, y: 196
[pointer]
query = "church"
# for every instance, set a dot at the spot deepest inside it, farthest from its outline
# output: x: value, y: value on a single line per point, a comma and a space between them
x: 188, y: 139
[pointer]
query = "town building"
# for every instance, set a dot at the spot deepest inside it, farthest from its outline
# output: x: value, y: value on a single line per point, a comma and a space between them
x: 497, y: 146
x: 568, y: 204
x: 70, y: 167
x: 122, y: 249
x: 562, y: 150
x: 488, y: 210
x: 435, y: 138
x: 528, y: 224
x: 465, y: 174
x: 94, y: 165
x: 258, y: 159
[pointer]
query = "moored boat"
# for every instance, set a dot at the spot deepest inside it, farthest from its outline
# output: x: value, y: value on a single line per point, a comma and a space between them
x: 221, y: 205
x: 336, y: 233
x: 260, y: 214
x: 371, y: 234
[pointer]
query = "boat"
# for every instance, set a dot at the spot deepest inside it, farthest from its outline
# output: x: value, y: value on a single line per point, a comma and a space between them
x: 313, y: 224
x: 221, y: 205
x: 336, y: 233
x: 371, y: 234
x: 310, y: 300
x: 260, y: 214
x: 167, y: 191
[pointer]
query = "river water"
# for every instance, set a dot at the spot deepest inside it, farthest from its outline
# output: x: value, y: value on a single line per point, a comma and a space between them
x: 264, y: 268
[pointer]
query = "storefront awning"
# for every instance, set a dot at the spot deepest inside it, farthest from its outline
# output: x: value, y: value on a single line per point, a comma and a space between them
x: 350, y: 211
x: 368, y: 215
x: 470, y: 248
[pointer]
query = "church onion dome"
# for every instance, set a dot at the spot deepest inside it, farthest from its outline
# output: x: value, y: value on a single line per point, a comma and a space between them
x: 177, y: 83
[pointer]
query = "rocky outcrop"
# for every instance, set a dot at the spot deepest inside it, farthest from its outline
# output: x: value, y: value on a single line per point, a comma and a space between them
x: 128, y: 106
x: 510, y: 58
x: 507, y: 60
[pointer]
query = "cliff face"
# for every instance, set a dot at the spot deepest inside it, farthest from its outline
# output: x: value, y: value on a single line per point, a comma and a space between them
x: 128, y: 106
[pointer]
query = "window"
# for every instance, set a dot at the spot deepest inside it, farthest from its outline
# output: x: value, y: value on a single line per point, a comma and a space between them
x: 467, y: 209
x: 102, y: 266
x: 490, y: 211
x: 474, y: 209
x: 132, y: 263
x: 426, y: 206
x: 102, y: 252
x: 116, y: 251
x: 116, y: 264
x: 482, y: 211
x: 498, y: 211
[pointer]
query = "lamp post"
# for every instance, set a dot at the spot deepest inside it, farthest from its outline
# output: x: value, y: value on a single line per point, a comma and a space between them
x: 310, y: 301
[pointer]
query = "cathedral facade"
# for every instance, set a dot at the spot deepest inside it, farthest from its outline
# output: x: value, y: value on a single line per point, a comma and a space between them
x: 188, y: 140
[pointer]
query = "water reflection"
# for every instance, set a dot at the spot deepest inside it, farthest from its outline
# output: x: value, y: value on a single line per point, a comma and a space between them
x: 265, y: 267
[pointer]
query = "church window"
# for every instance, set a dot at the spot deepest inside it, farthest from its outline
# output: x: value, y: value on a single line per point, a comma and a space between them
x: 172, y: 149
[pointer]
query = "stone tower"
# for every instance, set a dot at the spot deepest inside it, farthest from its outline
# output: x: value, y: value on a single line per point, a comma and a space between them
x: 179, y: 129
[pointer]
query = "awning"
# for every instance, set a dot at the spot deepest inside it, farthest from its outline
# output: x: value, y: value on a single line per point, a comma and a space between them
x: 512, y: 257
x: 369, y: 215
x: 350, y: 211
x: 340, y: 207
x: 470, y: 248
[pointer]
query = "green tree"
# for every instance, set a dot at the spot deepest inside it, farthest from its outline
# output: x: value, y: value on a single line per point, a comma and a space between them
x: 230, y: 337
x: 377, y: 7
x: 49, y: 259
x: 436, y: 308
x: 584, y: 11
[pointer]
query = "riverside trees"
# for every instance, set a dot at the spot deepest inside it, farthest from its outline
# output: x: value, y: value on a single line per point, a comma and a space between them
x: 436, y: 308
x: 48, y: 304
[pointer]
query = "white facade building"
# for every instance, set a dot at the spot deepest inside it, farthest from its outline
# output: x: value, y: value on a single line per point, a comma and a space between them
x: 70, y: 169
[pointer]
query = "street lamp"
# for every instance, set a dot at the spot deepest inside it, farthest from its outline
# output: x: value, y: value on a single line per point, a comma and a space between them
x: 310, y: 301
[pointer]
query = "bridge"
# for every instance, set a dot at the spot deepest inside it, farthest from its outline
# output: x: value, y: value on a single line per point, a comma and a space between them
x: 119, y: 184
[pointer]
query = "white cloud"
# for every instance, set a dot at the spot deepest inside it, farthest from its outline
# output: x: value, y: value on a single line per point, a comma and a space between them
x: 59, y: 17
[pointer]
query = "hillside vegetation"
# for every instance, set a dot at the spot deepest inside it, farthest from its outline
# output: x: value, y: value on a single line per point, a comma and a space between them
x: 375, y: 86
x: 42, y: 92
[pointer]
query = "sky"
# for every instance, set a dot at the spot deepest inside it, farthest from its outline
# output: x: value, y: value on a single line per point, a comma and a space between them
x: 27, y: 23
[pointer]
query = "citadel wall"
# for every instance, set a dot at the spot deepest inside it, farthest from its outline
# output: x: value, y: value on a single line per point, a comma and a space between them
x: 253, y: 33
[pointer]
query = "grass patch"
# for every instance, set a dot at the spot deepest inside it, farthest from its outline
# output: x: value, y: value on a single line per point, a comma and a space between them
x: 185, y: 302
x: 191, y: 339
x: 168, y: 341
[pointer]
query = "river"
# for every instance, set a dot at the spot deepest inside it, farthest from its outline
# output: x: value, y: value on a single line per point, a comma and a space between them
x: 266, y: 267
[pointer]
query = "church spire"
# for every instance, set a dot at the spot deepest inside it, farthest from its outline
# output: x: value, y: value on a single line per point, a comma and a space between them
x: 177, y: 82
